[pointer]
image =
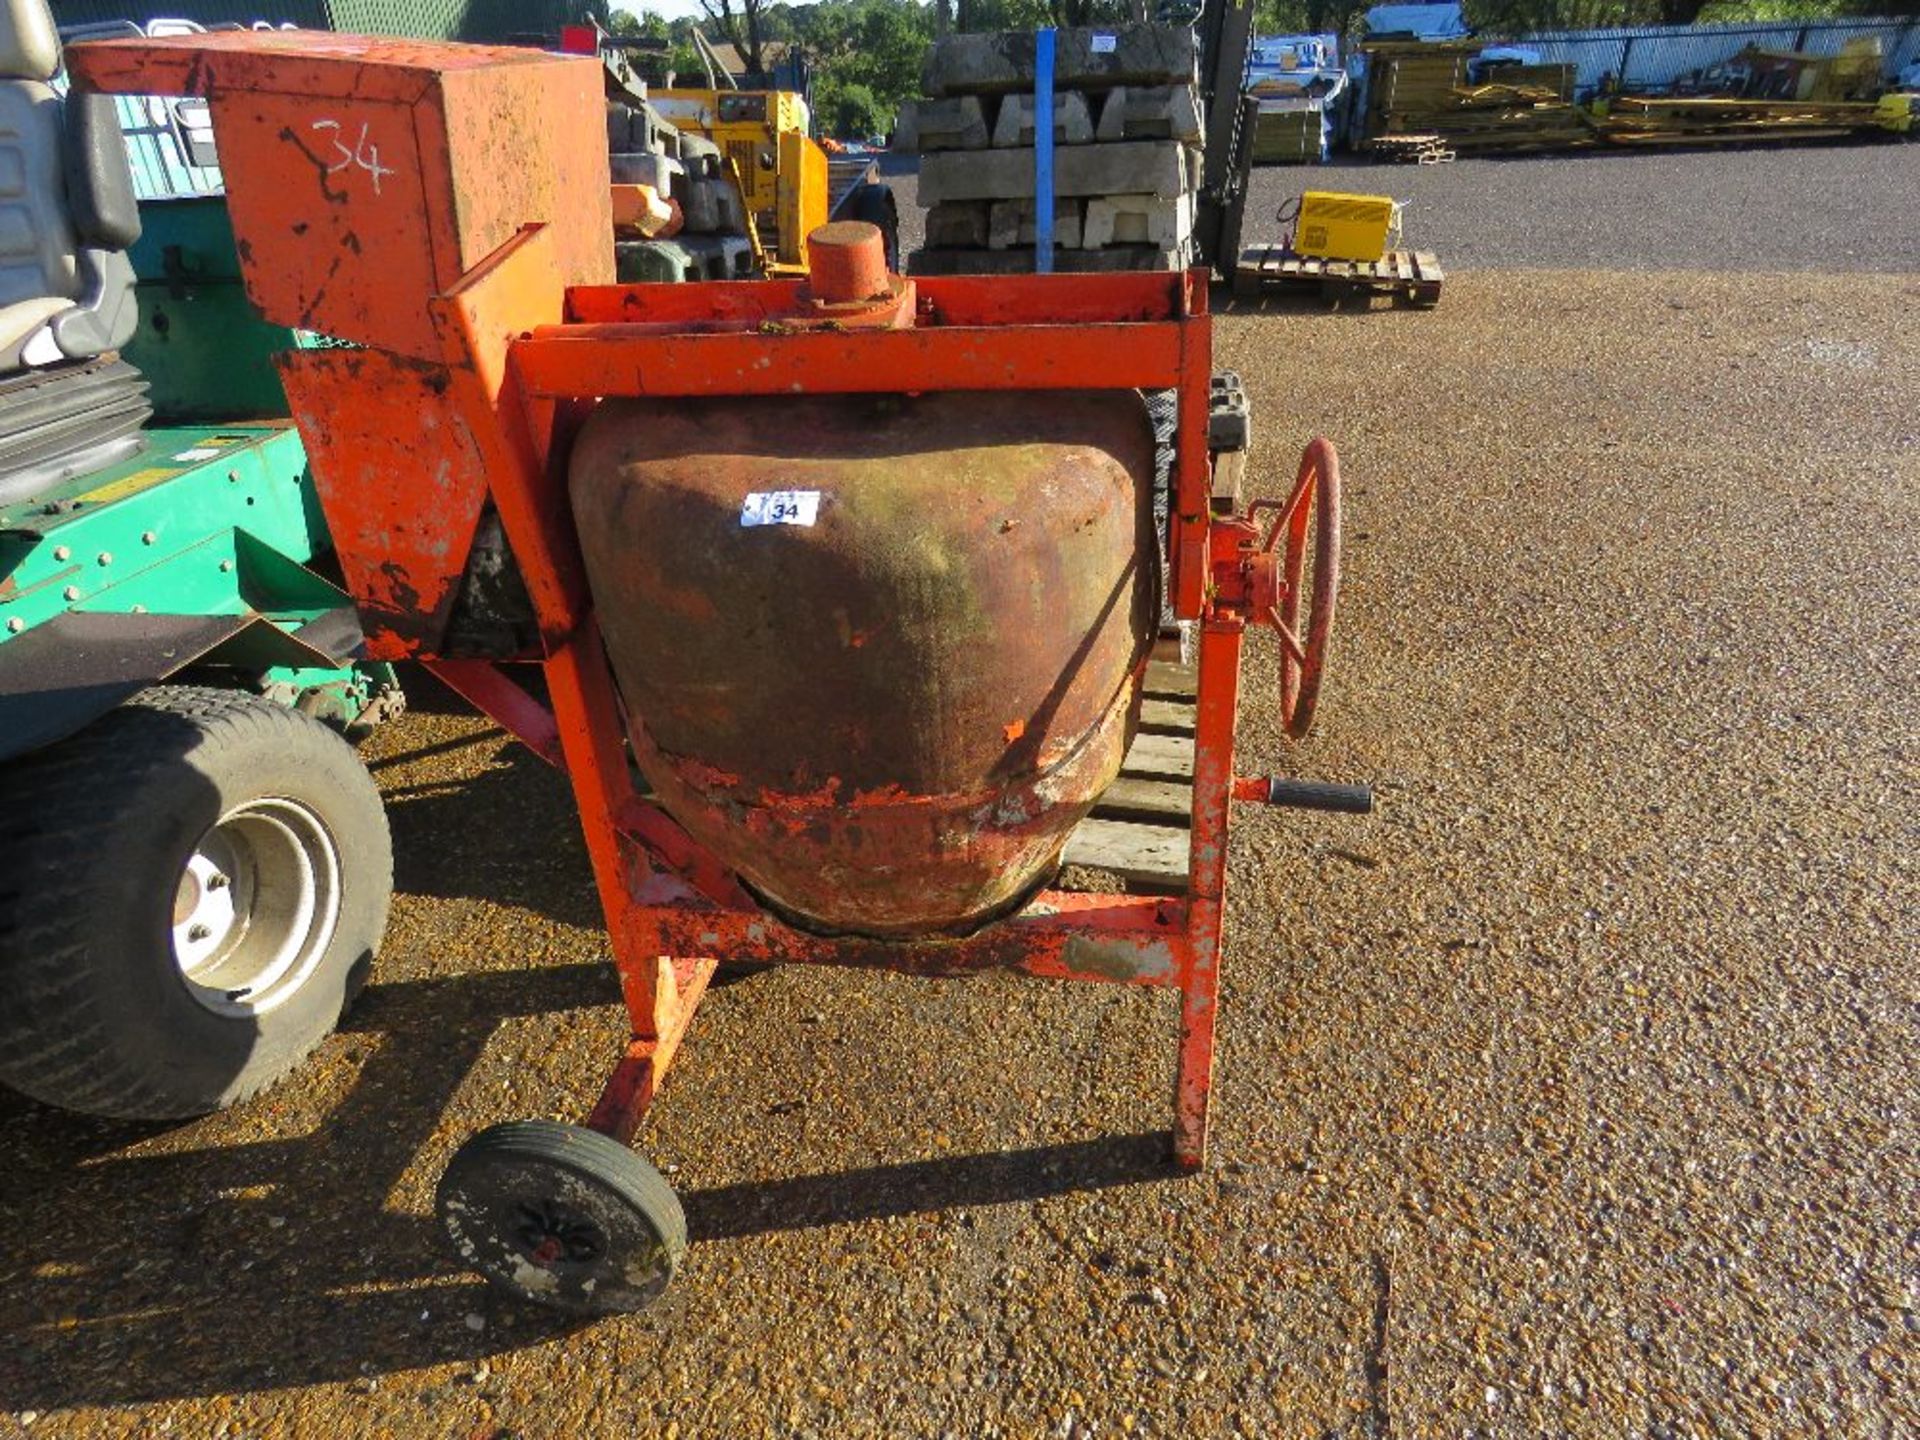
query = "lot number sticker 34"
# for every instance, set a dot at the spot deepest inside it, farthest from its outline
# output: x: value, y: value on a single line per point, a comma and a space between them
x: 780, y: 507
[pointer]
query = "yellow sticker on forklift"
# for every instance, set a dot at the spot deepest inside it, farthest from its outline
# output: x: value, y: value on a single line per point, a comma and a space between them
x: 780, y: 507
x: 127, y: 484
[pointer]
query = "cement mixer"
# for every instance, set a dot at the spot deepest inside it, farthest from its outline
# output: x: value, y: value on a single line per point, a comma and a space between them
x: 859, y: 571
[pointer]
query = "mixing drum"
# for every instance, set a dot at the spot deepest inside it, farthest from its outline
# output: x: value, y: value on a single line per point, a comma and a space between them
x: 880, y: 654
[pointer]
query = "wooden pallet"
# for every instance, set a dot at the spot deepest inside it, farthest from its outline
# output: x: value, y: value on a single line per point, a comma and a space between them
x: 1229, y: 476
x: 1137, y: 834
x: 1410, y: 149
x: 1412, y: 276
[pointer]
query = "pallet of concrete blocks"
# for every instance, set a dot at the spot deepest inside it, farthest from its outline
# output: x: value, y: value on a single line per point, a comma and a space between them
x: 711, y: 241
x: 710, y: 200
x: 1127, y: 127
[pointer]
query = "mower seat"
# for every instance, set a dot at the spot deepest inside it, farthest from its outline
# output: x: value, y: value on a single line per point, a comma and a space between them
x: 67, y: 208
x: 67, y: 214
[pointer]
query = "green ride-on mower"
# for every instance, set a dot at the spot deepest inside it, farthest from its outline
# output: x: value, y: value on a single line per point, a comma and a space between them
x: 194, y: 865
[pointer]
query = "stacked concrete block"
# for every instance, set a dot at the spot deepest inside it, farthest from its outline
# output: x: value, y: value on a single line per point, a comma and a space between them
x: 1138, y: 220
x: 1126, y: 127
x: 1165, y: 168
x: 659, y: 170
x: 708, y: 196
x: 1151, y: 112
x: 1088, y: 60
x: 960, y: 225
x: 637, y: 130
x: 1014, y: 125
x: 1010, y: 224
x: 958, y: 123
x: 712, y: 242
x: 1020, y: 261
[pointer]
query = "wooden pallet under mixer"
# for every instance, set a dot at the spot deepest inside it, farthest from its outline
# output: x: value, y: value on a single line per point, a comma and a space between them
x: 1139, y: 832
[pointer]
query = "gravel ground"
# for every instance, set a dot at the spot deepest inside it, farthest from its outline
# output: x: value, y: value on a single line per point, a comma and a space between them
x: 1571, y: 1094
x: 1807, y: 207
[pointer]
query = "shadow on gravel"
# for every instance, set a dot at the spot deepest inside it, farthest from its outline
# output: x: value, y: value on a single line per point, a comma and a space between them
x: 730, y: 1211
x: 251, y: 1266
x: 508, y: 834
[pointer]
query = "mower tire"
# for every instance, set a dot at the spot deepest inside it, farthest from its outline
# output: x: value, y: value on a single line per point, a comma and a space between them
x: 192, y: 891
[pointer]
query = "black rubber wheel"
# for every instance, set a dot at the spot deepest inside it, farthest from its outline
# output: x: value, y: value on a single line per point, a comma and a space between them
x: 874, y: 203
x: 192, y: 890
x: 563, y: 1217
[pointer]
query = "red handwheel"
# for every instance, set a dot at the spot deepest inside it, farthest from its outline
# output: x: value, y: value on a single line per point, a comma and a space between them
x: 1313, y: 506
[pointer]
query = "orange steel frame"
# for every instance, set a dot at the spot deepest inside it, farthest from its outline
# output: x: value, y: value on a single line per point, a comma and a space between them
x: 667, y: 900
x: 472, y: 388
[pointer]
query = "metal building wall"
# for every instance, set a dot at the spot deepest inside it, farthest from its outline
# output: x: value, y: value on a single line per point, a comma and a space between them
x: 1654, y: 57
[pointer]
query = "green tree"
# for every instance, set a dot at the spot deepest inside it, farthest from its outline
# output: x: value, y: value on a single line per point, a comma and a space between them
x: 675, y: 53
x: 650, y: 25
x: 740, y: 23
x: 1307, y: 17
x: 1033, y: 14
x: 866, y: 57
x: 853, y: 112
x: 1518, y: 17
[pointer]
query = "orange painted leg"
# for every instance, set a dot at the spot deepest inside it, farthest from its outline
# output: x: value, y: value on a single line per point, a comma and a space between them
x: 1206, y: 886
x: 671, y: 992
x: 661, y: 994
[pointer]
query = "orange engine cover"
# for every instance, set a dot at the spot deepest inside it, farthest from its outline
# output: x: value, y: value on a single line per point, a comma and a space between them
x: 879, y: 654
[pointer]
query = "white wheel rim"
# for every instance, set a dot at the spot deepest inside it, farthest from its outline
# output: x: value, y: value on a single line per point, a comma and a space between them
x: 255, y: 907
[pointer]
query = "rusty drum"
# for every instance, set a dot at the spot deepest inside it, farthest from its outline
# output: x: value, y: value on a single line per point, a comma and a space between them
x: 879, y: 654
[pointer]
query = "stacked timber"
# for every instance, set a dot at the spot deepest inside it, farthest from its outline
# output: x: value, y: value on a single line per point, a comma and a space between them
x: 1407, y: 81
x: 1409, y: 149
x: 1428, y: 89
x: 1293, y: 135
x: 1425, y: 89
x: 1765, y: 95
x: 1656, y: 120
x: 1126, y: 124
x: 1556, y: 79
x: 1759, y: 74
x: 1506, y: 118
x: 1301, y: 96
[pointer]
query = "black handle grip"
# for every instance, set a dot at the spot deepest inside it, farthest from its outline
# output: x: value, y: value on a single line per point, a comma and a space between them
x: 1314, y: 795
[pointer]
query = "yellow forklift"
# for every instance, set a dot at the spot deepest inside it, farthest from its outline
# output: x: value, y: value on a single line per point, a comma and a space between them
x: 790, y: 184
